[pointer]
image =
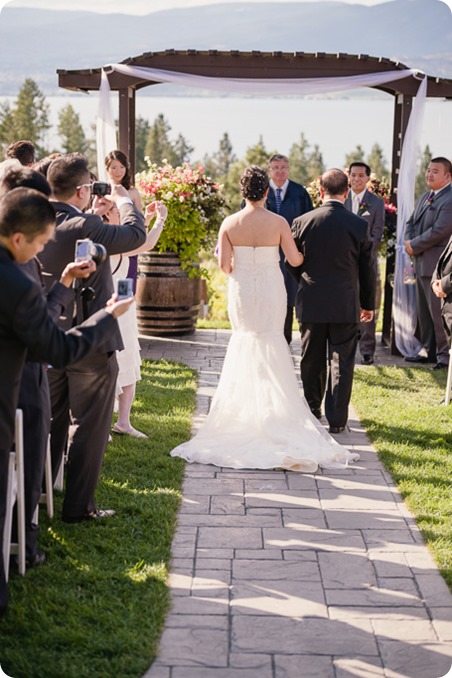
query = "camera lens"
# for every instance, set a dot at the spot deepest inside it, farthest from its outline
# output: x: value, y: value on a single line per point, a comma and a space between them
x: 99, y: 253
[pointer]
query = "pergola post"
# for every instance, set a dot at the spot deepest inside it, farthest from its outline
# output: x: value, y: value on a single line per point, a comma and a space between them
x: 127, y: 125
x: 403, y: 104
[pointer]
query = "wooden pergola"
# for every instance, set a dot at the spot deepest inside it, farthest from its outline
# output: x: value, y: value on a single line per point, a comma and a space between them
x: 278, y: 65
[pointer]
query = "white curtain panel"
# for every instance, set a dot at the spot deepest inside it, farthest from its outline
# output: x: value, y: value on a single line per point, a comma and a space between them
x: 404, y: 303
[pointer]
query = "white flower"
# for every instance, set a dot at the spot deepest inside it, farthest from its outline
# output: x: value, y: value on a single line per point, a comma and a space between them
x: 181, y: 198
x: 168, y: 195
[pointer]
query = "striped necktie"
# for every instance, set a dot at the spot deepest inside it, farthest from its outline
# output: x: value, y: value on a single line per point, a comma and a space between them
x: 278, y: 199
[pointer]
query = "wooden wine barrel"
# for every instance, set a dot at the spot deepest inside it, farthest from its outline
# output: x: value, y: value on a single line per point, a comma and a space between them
x: 168, y: 302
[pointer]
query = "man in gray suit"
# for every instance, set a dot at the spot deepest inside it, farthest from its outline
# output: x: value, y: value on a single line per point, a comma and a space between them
x: 427, y: 233
x: 442, y: 288
x: 370, y: 207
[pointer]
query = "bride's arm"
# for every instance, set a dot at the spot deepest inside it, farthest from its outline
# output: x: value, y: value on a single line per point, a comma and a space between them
x: 293, y: 256
x: 224, y: 251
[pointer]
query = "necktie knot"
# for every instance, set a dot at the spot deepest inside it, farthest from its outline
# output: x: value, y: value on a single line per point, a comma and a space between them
x: 278, y: 199
x: 430, y: 198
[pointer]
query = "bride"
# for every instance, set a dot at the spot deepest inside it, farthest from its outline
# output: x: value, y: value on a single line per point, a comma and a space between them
x: 258, y: 418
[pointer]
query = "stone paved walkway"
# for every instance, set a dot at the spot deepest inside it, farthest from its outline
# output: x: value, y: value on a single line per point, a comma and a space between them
x: 286, y: 575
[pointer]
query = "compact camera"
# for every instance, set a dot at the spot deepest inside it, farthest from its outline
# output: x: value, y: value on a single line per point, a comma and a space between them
x: 100, y: 188
x: 124, y: 288
x: 87, y: 250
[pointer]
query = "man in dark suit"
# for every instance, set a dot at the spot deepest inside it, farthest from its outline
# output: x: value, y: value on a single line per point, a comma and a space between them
x: 370, y: 207
x: 83, y: 394
x: 290, y: 200
x: 336, y: 290
x: 442, y: 288
x: 427, y: 233
x: 27, y: 222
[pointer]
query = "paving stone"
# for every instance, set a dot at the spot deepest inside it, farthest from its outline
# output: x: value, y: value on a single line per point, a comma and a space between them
x: 212, y: 672
x: 277, y: 599
x: 416, y: 660
x: 299, y: 555
x: 181, y: 565
x: 301, y: 665
x: 385, y: 597
x: 213, y: 564
x: 357, y: 500
x: 213, y: 486
x: 370, y: 667
x: 286, y: 499
x: 322, y: 540
x: 346, y: 570
x: 211, y: 583
x: 194, y: 647
x: 197, y: 621
x: 215, y: 553
x: 199, y: 605
x: 391, y: 540
x: 250, y: 661
x: 248, y: 520
x: 442, y: 622
x: 180, y: 583
x: 354, y: 484
x: 389, y: 613
x: 390, y: 564
x: 434, y: 590
x: 312, y: 517
x: 195, y: 504
x: 410, y: 630
x: 376, y: 519
x: 278, y: 483
x: 275, y: 570
x: 230, y: 537
x: 305, y: 636
x: 256, y: 554
x: 227, y: 505
x: 157, y: 671
x: 301, y: 481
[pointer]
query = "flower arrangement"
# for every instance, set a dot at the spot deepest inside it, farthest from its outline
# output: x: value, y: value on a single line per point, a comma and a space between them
x: 381, y: 188
x: 196, y: 209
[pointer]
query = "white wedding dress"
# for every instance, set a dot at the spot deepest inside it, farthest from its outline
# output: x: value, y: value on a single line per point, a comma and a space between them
x: 259, y: 418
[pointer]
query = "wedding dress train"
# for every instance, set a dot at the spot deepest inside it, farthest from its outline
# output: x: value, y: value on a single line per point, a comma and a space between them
x: 259, y: 418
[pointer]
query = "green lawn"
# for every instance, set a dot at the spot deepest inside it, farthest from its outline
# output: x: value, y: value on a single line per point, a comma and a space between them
x: 96, y: 608
x: 402, y: 413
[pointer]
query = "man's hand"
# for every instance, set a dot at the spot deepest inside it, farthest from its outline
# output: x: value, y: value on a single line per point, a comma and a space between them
x: 408, y: 248
x: 77, y: 269
x: 117, y: 308
x: 366, y: 316
x: 438, y: 290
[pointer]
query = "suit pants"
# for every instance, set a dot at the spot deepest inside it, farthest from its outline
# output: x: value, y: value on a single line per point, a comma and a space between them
x: 4, y: 464
x: 430, y: 324
x: 34, y: 401
x: 288, y: 322
x: 330, y: 345
x: 367, y: 340
x: 83, y: 396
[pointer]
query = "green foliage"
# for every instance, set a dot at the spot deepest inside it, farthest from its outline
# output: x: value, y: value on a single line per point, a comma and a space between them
x: 357, y: 155
x: 71, y: 131
x: 196, y: 209
x: 305, y: 164
x: 27, y: 119
x: 219, y: 164
x: 401, y: 411
x: 377, y: 161
x: 160, y: 148
x: 142, y: 128
x: 420, y: 185
x: 96, y: 607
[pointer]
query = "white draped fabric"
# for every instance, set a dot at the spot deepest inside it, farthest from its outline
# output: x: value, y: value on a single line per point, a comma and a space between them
x: 404, y: 302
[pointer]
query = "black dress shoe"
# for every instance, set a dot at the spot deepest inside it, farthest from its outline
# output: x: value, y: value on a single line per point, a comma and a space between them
x: 97, y: 514
x: 367, y: 360
x: 440, y: 366
x: 317, y: 414
x: 417, y: 359
x: 38, y: 559
x: 337, y: 429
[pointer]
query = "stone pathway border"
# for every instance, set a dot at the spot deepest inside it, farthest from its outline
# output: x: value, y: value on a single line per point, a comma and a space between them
x: 285, y: 575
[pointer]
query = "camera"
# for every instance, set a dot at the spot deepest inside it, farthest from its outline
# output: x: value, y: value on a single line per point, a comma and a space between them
x: 124, y: 288
x: 88, y: 250
x: 100, y: 188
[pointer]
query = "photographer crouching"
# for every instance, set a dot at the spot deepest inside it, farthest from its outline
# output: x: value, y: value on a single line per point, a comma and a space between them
x: 83, y: 394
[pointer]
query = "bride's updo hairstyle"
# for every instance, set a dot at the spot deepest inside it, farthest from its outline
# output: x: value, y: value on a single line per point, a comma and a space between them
x: 253, y: 183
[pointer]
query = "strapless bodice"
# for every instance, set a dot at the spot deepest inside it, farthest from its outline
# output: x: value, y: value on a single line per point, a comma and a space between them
x: 255, y: 257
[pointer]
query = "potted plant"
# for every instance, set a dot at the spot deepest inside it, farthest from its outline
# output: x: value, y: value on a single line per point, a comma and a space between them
x: 169, y: 285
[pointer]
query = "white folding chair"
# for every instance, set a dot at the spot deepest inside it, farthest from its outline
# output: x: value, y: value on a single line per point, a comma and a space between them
x: 448, y: 396
x: 47, y: 496
x: 15, y: 495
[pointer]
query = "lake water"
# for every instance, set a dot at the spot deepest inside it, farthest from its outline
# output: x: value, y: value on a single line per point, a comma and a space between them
x: 336, y: 125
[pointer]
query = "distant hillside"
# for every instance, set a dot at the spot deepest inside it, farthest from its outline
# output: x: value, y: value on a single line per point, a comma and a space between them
x: 34, y: 43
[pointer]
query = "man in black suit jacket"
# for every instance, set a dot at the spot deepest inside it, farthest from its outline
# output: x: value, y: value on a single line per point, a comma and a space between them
x: 336, y: 290
x: 442, y: 288
x: 83, y: 394
x: 27, y: 222
x: 290, y: 200
x: 427, y: 233
x: 370, y: 207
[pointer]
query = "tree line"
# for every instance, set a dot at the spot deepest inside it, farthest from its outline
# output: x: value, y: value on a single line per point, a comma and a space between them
x: 28, y: 118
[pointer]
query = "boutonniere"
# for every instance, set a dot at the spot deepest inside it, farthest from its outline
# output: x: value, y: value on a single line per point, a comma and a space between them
x: 363, y: 208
